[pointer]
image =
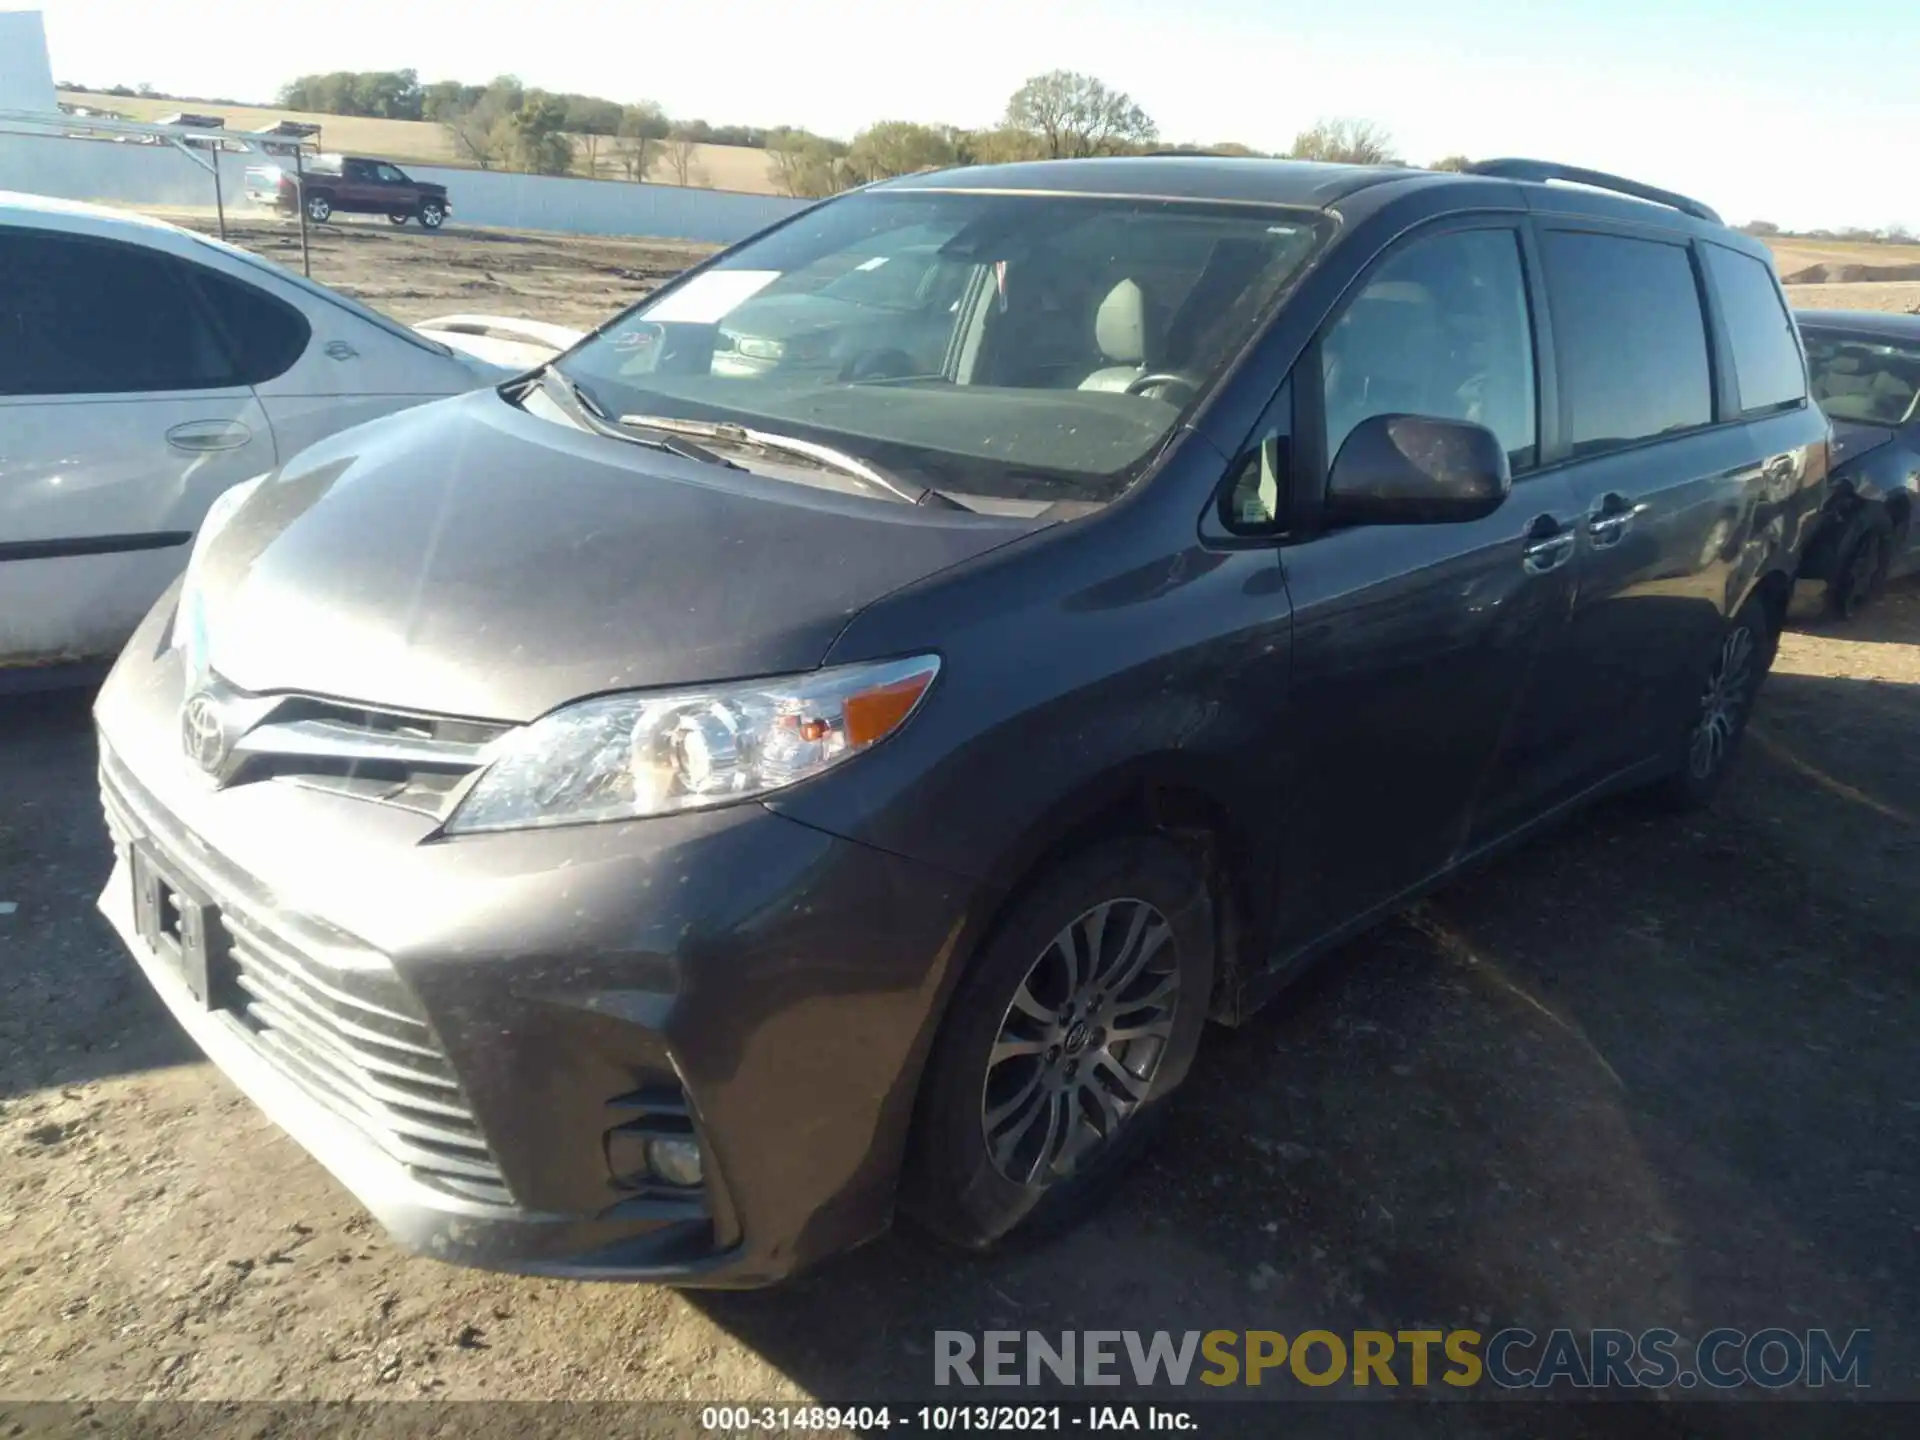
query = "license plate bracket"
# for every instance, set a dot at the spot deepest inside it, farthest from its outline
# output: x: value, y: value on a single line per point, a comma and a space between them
x: 182, y: 927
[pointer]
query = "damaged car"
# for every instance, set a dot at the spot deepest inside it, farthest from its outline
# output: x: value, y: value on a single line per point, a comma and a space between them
x: 1866, y: 376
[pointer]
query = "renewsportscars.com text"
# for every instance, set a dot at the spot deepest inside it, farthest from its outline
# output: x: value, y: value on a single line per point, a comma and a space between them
x: 1512, y: 1359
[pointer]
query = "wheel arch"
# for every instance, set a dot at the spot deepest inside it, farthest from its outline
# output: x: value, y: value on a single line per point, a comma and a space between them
x: 1774, y: 590
x: 1168, y: 795
x: 1171, y: 795
x: 1900, y: 510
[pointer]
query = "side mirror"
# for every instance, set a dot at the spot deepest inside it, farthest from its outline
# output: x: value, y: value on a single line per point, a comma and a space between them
x: 1416, y: 470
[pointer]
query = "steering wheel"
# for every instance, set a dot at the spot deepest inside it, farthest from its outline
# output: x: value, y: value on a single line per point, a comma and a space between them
x: 1140, y: 384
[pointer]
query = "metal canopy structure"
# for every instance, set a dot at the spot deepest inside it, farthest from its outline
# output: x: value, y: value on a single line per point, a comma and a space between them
x: 201, y: 144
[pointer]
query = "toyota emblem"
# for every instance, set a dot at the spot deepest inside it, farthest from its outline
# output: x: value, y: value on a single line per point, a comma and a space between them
x: 203, y: 734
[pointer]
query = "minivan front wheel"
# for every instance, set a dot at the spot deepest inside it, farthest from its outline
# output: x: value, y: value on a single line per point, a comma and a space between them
x: 1062, y: 1043
x: 1728, y: 688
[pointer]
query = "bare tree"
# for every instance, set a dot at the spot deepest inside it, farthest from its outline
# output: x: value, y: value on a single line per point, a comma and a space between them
x: 477, y: 121
x: 681, y: 151
x: 1076, y: 115
x: 1344, y: 142
x: 642, y: 128
x: 805, y: 164
x: 1451, y: 162
x: 591, y: 119
x: 479, y: 134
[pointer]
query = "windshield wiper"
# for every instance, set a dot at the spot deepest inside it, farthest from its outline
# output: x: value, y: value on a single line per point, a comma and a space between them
x: 823, y: 455
x: 595, y: 414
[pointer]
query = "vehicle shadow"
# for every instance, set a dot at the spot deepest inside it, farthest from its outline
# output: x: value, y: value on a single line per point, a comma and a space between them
x: 72, y: 1006
x: 1894, y: 619
x: 1649, y: 1071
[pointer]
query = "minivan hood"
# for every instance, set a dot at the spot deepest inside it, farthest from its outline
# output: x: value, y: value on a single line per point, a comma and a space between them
x: 467, y: 558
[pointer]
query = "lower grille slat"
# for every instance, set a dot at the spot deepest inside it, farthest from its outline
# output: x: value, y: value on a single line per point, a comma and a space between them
x: 333, y: 1017
x: 381, y: 1084
x: 342, y: 1101
x: 416, y: 1063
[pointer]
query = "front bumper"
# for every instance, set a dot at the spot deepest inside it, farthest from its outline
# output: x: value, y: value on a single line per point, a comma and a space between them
x: 453, y: 1027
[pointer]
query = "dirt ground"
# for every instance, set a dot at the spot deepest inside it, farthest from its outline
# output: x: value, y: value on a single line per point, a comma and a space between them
x: 581, y: 280
x: 575, y: 280
x: 1645, y: 1072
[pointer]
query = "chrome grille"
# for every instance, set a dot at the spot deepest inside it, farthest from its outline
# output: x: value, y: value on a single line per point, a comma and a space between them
x: 333, y: 1016
x: 416, y: 762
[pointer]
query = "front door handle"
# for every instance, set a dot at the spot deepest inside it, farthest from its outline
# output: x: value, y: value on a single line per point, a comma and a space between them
x: 1610, y: 519
x: 1549, y: 545
x: 203, y: 435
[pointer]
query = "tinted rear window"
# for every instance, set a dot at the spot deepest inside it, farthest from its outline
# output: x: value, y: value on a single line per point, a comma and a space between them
x: 1630, y: 337
x: 80, y: 316
x: 264, y: 335
x: 1766, y: 356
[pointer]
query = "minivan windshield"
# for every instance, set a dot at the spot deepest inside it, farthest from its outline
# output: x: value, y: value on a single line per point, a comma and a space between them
x: 1030, y: 347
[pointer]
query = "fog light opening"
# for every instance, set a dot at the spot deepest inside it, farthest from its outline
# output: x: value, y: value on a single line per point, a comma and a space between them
x: 676, y: 1160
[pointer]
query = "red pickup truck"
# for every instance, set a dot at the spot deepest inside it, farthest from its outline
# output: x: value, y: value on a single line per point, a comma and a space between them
x: 350, y: 184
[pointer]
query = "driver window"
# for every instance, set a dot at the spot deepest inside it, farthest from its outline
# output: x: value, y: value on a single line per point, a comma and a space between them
x: 1441, y: 329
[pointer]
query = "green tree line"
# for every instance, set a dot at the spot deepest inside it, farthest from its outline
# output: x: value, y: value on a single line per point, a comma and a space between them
x: 1062, y: 114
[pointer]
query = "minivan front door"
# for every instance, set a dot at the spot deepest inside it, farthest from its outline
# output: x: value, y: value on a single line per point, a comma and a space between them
x: 1413, y: 645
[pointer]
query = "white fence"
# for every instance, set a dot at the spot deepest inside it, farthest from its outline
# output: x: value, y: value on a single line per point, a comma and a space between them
x: 153, y: 175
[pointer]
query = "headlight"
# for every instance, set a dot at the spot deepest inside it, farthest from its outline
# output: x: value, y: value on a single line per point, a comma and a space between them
x: 621, y: 757
x: 189, y: 625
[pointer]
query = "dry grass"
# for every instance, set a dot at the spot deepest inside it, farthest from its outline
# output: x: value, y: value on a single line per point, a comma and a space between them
x: 715, y: 167
x: 1858, y: 275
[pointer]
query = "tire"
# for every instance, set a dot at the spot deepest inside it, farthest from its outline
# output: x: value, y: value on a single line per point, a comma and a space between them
x: 1728, y: 685
x: 399, y: 219
x: 1861, y: 558
x: 432, y: 214
x: 319, y: 209
x: 1146, y: 906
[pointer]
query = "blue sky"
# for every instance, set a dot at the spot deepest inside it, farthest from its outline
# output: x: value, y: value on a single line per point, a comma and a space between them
x: 1802, y: 114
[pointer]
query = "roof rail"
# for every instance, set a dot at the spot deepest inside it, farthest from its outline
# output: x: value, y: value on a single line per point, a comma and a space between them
x: 1545, y: 170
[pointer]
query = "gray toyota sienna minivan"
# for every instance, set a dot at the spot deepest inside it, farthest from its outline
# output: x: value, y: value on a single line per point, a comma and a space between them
x: 657, y: 817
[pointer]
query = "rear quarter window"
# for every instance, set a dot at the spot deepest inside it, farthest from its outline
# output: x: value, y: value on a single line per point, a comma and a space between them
x: 264, y: 335
x: 1767, y: 365
x: 1630, y: 337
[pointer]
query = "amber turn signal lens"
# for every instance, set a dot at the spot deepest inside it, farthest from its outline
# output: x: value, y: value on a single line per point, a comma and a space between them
x: 874, y: 714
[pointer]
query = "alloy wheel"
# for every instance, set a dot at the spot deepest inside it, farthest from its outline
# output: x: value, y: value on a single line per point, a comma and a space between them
x: 1080, y: 1044
x: 1723, y: 703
